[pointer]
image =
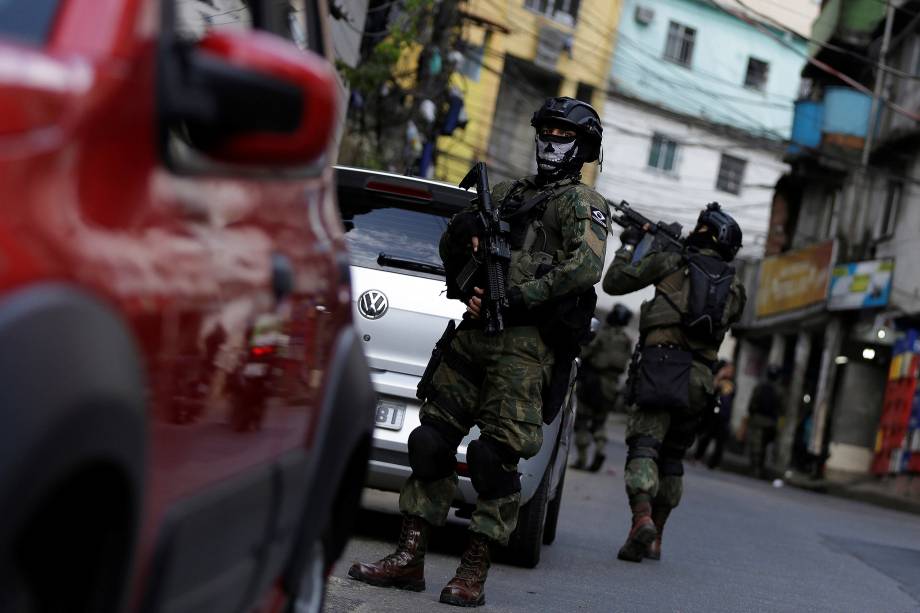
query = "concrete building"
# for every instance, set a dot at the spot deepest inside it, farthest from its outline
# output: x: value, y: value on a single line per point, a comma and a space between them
x: 517, y: 53
x: 843, y: 219
x: 698, y: 109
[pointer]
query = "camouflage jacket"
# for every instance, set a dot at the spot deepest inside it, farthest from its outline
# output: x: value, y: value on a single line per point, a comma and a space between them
x: 659, y: 322
x: 569, y: 239
x: 609, y: 352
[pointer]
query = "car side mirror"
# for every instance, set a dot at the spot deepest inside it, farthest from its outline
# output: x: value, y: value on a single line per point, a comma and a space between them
x: 248, y: 98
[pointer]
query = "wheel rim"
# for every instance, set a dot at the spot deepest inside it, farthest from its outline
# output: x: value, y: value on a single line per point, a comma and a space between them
x: 312, y: 585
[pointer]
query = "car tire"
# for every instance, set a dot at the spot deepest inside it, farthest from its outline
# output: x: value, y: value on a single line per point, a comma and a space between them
x: 527, y: 539
x: 552, y: 511
x: 311, y: 593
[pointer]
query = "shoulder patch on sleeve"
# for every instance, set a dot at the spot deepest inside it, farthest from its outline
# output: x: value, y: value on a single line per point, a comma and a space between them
x: 599, y: 217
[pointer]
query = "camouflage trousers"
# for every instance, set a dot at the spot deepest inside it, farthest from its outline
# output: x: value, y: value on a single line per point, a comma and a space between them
x: 661, y: 480
x: 507, y: 407
x: 591, y: 418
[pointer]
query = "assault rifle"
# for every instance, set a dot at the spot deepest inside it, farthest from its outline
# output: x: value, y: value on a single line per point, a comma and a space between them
x: 666, y: 236
x: 494, y: 249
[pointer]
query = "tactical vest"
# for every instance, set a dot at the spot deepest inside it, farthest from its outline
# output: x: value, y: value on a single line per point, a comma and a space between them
x: 667, y: 308
x: 537, y: 243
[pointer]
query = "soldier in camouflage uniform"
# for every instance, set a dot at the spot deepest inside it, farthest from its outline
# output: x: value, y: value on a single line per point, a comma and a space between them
x: 657, y: 437
x: 763, y: 416
x: 603, y: 361
x: 559, y: 232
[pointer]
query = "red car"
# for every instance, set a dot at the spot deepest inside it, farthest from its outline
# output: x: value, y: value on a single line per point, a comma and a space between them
x: 185, y: 411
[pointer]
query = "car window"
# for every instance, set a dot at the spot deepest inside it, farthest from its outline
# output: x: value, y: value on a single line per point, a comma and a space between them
x: 27, y: 20
x: 406, y: 233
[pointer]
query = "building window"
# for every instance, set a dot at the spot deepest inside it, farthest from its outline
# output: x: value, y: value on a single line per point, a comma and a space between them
x: 562, y: 10
x: 731, y: 174
x: 472, y: 62
x: 756, y: 76
x: 663, y: 153
x: 679, y: 48
x: 585, y: 93
x: 889, y: 219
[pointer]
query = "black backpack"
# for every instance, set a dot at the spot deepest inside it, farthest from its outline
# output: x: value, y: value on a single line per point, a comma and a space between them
x: 709, y: 288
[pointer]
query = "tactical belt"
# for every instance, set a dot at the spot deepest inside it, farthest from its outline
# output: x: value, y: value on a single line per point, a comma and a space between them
x: 512, y: 319
x: 697, y: 356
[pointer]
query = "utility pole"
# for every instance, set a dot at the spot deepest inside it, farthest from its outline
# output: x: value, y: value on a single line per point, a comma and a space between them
x: 861, y: 196
x: 879, y: 84
x: 863, y: 191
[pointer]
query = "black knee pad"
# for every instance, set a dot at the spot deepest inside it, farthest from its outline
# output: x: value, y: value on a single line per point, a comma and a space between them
x: 432, y: 450
x: 485, y: 457
x: 642, y: 447
x: 671, y: 461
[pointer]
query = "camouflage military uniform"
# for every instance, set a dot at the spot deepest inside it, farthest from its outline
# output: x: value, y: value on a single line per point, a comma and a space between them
x: 603, y: 361
x: 570, y: 237
x: 660, y: 479
x: 763, y: 415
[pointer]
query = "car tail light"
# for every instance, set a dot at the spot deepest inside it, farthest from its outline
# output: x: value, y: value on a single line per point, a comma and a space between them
x: 260, y: 351
x: 399, y: 190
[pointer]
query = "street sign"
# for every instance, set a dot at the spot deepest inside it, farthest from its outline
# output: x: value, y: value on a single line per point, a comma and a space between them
x: 860, y: 285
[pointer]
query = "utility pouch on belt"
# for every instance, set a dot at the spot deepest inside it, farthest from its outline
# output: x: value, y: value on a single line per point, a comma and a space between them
x: 663, y: 379
x: 423, y: 391
x: 563, y: 329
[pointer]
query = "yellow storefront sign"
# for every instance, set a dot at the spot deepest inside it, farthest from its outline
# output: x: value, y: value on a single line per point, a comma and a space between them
x: 794, y: 280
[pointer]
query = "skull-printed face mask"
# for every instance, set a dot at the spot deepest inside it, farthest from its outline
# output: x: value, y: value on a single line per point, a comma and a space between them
x: 556, y: 154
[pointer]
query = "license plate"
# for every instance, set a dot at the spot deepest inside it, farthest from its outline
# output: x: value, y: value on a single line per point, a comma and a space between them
x: 390, y: 415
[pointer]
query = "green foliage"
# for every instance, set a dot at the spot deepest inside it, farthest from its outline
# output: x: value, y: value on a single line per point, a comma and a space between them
x: 378, y: 68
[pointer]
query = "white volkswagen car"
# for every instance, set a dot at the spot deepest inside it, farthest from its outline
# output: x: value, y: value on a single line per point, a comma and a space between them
x: 393, y: 224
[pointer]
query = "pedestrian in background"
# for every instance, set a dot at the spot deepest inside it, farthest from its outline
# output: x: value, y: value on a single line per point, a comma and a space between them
x: 697, y: 298
x: 603, y: 362
x: 717, y: 429
x: 764, y: 410
x: 559, y: 231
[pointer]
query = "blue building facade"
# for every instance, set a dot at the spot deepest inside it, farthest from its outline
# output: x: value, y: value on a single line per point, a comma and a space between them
x: 693, y: 58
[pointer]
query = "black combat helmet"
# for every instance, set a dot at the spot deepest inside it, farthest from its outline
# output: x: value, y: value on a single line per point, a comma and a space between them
x: 577, y: 115
x: 724, y: 231
x: 619, y: 316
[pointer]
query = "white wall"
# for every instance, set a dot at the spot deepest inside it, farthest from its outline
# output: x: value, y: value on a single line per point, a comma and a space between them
x: 796, y: 15
x: 904, y: 246
x: 681, y: 195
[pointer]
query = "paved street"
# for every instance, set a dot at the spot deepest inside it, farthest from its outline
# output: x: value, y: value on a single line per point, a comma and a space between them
x: 733, y: 545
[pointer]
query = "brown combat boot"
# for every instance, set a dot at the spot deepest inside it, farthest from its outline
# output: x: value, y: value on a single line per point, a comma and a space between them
x: 405, y: 567
x: 659, y: 518
x: 467, y: 588
x: 641, y: 534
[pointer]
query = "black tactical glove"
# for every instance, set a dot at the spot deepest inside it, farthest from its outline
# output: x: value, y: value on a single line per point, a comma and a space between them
x: 631, y: 235
x: 515, y: 300
x: 462, y: 228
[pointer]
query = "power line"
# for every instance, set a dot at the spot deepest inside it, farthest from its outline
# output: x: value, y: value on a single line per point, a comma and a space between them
x: 878, y: 64
x: 818, y: 63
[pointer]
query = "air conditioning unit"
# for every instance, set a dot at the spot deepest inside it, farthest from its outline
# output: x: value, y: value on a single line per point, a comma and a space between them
x: 644, y: 14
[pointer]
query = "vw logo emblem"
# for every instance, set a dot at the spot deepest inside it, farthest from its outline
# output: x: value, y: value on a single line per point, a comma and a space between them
x: 373, y: 304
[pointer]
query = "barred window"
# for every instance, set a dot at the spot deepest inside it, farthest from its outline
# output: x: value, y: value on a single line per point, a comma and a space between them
x: 567, y: 9
x: 731, y: 174
x: 756, y: 76
x: 663, y: 153
x: 679, y: 47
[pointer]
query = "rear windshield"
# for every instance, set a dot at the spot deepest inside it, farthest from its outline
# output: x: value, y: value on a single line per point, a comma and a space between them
x: 401, y: 231
x: 27, y: 20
